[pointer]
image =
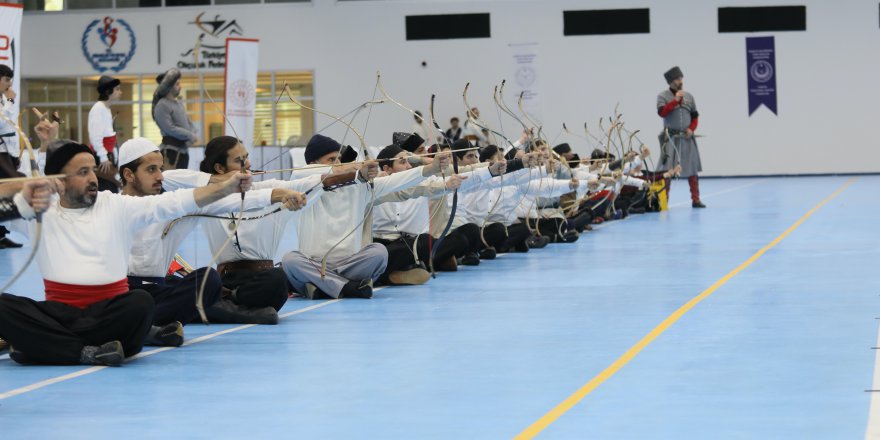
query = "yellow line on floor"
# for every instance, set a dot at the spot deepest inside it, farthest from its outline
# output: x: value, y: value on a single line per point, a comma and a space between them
x: 572, y: 400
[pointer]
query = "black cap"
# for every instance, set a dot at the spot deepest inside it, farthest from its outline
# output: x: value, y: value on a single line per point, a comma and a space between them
x: 320, y: 145
x: 562, y: 148
x: 673, y: 74
x: 106, y: 84
x: 56, y: 161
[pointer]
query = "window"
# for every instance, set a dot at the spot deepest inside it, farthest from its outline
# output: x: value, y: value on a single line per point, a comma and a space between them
x: 275, y: 124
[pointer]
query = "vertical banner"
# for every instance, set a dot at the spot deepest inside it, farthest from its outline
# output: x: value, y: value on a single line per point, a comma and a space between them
x: 761, y: 65
x: 10, y: 55
x: 242, y: 58
x: 525, y: 78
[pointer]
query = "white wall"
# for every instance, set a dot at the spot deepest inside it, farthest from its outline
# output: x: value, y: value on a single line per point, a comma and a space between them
x: 828, y: 96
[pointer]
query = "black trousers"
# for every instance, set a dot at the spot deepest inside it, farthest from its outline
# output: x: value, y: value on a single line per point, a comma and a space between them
x: 176, y: 299
x: 517, y: 234
x: 400, y: 255
x: 548, y: 227
x: 495, y: 235
x: 470, y: 233
x: 50, y: 332
x: 259, y: 288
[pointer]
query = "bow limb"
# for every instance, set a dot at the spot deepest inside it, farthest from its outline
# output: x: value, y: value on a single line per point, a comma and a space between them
x: 38, y: 227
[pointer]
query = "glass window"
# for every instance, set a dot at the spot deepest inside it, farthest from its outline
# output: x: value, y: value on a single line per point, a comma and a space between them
x: 89, y: 4
x: 234, y: 2
x: 43, y: 5
x: 50, y: 90
x: 187, y: 2
x: 137, y: 3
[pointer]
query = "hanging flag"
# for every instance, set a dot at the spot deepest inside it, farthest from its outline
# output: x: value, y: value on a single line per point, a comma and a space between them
x: 242, y: 61
x: 761, y: 65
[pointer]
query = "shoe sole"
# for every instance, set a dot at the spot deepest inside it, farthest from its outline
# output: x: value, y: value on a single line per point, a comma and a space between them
x: 410, y: 277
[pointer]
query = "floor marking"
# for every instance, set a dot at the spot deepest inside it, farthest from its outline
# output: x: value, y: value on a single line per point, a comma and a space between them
x: 735, y: 188
x: 572, y: 400
x: 143, y: 354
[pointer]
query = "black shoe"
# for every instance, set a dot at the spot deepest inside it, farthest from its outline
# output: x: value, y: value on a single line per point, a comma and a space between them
x: 169, y: 335
x: 18, y: 356
x: 314, y: 293
x: 357, y: 289
x: 570, y: 237
x: 698, y: 204
x: 636, y: 210
x: 488, y: 254
x: 227, y: 312
x: 469, y: 259
x: 521, y: 247
x: 5, y: 243
x: 109, y: 354
x: 537, y: 242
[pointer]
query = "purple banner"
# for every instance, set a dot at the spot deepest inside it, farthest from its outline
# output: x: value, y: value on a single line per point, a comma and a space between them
x: 761, y: 65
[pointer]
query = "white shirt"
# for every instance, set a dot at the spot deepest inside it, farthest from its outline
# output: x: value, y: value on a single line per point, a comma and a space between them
x: 91, y: 246
x: 338, y: 213
x: 151, y: 253
x: 100, y: 126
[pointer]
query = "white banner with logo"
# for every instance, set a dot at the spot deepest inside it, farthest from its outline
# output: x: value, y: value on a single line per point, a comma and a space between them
x: 525, y: 79
x: 10, y: 55
x: 242, y: 62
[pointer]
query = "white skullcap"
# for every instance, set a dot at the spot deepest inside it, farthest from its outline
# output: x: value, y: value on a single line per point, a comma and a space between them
x: 132, y: 149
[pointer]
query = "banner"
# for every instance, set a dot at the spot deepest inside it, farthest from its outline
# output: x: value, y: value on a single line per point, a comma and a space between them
x: 761, y: 65
x: 242, y: 61
x: 10, y: 55
x: 524, y: 80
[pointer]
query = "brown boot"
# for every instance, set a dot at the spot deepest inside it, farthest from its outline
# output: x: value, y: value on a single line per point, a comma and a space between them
x: 409, y: 277
x: 449, y: 265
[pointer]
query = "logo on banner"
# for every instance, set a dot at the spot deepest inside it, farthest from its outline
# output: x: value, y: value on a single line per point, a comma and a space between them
x: 213, y: 49
x: 241, y: 94
x: 761, y: 65
x: 761, y: 71
x: 108, y: 44
x: 525, y: 76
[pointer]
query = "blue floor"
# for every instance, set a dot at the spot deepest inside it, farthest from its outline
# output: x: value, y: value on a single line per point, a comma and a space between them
x: 783, y: 350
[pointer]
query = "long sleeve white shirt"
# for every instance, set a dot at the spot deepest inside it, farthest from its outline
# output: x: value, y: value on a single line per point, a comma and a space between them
x: 91, y: 246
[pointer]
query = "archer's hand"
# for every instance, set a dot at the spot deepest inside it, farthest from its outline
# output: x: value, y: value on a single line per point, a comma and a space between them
x: 369, y: 170
x: 688, y: 133
x: 237, y: 182
x: 498, y: 168
x: 38, y: 194
x: 574, y: 184
x: 290, y: 199
x: 441, y: 161
x: 645, y: 151
x: 454, y: 181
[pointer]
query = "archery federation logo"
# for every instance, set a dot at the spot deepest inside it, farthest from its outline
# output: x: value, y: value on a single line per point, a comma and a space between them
x: 213, y: 34
x: 108, y: 44
x: 761, y: 71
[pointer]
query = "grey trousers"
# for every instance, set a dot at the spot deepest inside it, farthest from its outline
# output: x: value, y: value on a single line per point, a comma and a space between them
x: 369, y: 262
